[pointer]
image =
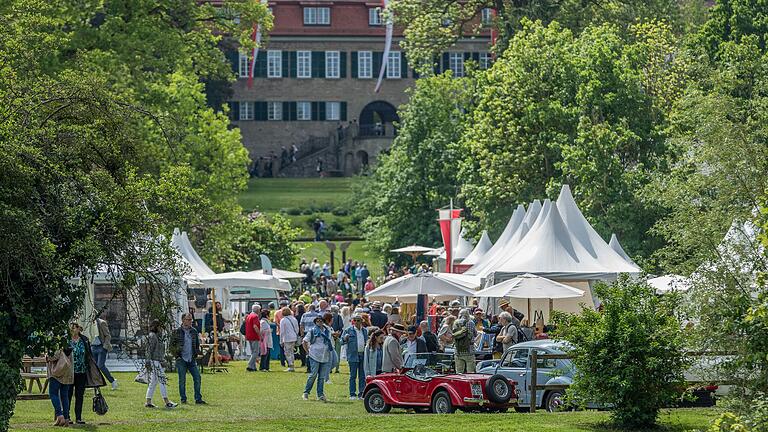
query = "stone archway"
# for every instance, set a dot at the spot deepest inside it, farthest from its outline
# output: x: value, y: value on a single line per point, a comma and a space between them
x: 377, y: 119
x: 349, y: 164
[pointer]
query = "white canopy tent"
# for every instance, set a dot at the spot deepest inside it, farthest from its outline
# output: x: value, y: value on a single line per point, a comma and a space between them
x: 284, y: 274
x: 669, y: 283
x: 481, y: 248
x: 434, y: 285
x: 528, y: 287
x: 616, y: 246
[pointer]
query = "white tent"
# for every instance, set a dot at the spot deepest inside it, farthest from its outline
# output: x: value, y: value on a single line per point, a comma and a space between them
x: 501, y: 248
x: 594, y: 245
x: 431, y: 284
x: 285, y: 274
x: 514, y: 222
x: 616, y: 246
x: 198, y: 267
x: 462, y: 250
x: 241, y: 279
x: 668, y: 283
x: 481, y: 248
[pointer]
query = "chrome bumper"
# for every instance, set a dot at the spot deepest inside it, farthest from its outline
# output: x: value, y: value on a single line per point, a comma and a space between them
x: 475, y: 400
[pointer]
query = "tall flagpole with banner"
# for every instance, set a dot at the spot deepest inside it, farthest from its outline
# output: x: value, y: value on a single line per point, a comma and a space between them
x: 387, y: 48
x: 450, y: 227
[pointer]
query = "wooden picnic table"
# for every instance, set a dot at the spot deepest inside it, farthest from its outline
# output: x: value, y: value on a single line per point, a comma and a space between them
x: 31, y: 378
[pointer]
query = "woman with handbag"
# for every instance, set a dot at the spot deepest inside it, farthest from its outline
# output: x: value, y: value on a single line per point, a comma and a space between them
x: 155, y: 357
x: 81, y: 365
x: 60, y: 378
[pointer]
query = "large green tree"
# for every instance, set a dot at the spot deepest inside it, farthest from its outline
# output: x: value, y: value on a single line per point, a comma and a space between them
x: 588, y: 110
x: 418, y: 175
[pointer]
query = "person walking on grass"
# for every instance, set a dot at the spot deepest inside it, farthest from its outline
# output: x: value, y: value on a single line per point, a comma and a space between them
x: 155, y: 357
x: 60, y: 378
x: 464, y: 334
x: 355, y: 338
x: 265, y: 344
x: 318, y: 345
x: 81, y: 357
x: 289, y: 334
x: 253, y: 335
x: 101, y: 346
x: 185, y: 346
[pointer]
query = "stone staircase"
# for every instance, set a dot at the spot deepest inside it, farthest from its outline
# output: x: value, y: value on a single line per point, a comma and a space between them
x: 325, y: 149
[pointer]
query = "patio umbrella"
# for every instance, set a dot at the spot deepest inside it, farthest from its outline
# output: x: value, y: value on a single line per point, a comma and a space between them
x: 413, y: 250
x: 241, y: 279
x: 668, y: 283
x: 284, y: 274
x: 427, y: 284
x: 468, y: 281
x: 529, y: 286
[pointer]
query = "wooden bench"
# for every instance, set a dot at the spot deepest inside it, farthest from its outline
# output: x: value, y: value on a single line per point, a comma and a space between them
x: 31, y: 378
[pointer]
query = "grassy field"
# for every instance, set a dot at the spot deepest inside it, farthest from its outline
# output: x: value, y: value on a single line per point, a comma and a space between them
x: 240, y: 401
x: 273, y: 194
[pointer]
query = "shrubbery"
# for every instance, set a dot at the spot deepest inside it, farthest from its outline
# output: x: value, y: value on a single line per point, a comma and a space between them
x: 628, y: 355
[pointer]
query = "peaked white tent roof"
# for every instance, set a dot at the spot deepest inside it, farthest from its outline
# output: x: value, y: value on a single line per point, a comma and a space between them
x: 551, y: 250
x: 514, y: 222
x: 463, y: 249
x: 482, y: 246
x: 499, y: 249
x: 588, y: 237
x: 198, y: 267
x: 616, y: 246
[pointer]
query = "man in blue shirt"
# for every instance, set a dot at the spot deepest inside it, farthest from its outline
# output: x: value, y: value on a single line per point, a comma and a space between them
x: 355, y: 338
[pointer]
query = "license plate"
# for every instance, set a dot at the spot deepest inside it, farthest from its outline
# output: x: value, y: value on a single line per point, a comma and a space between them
x: 477, y: 389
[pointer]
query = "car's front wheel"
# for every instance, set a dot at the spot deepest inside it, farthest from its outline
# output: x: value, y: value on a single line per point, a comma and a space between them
x: 441, y: 403
x: 554, y: 401
x: 374, y: 402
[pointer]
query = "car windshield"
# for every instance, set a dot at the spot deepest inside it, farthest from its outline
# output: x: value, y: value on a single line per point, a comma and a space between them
x: 429, y: 364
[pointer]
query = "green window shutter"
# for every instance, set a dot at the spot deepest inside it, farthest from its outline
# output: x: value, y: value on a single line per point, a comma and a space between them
x: 261, y: 65
x: 342, y: 64
x: 315, y: 114
x: 343, y: 111
x: 233, y: 56
x: 403, y: 66
x: 321, y: 111
x: 292, y: 110
x: 354, y: 64
x: 318, y: 64
x: 260, y: 111
x: 234, y: 110
x: 292, y: 64
x: 286, y: 64
x: 446, y: 62
x: 286, y: 111
x: 377, y: 57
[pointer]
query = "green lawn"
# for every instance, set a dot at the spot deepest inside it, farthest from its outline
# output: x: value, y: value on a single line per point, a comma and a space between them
x: 273, y: 194
x: 240, y: 401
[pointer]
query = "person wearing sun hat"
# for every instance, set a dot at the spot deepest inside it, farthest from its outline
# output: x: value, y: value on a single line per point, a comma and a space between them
x: 393, y: 355
x: 504, y: 306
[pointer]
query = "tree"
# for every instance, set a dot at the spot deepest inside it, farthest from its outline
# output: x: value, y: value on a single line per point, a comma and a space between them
x: 629, y: 354
x: 258, y: 234
x: 433, y: 26
x: 418, y: 175
x: 593, y: 115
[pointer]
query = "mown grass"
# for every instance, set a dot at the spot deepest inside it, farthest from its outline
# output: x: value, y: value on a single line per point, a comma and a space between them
x: 240, y: 401
x: 273, y: 194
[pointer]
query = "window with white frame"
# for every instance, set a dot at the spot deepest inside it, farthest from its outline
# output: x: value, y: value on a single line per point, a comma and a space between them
x: 333, y: 110
x: 246, y: 111
x: 274, y: 110
x: 456, y: 63
x: 303, y: 64
x: 317, y: 16
x: 332, y: 64
x: 303, y: 111
x: 485, y: 60
x: 365, y: 64
x: 393, y: 64
x: 244, y: 64
x: 374, y: 16
x: 274, y: 64
x: 486, y: 16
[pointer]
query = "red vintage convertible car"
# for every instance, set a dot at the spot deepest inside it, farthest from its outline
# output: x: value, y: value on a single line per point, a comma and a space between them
x: 427, y: 384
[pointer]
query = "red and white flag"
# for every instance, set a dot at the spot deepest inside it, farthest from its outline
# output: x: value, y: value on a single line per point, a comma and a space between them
x: 256, y: 37
x: 450, y: 228
x: 387, y: 48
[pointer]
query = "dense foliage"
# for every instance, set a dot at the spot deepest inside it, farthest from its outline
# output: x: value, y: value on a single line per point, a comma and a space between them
x: 272, y: 236
x: 106, y: 144
x: 629, y: 354
x: 418, y: 175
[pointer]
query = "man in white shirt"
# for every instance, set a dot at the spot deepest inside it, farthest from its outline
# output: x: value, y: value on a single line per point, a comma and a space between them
x: 414, y: 344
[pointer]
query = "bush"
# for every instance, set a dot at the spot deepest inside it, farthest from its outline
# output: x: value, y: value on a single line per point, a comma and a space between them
x: 753, y: 420
x: 629, y: 355
x: 293, y: 211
